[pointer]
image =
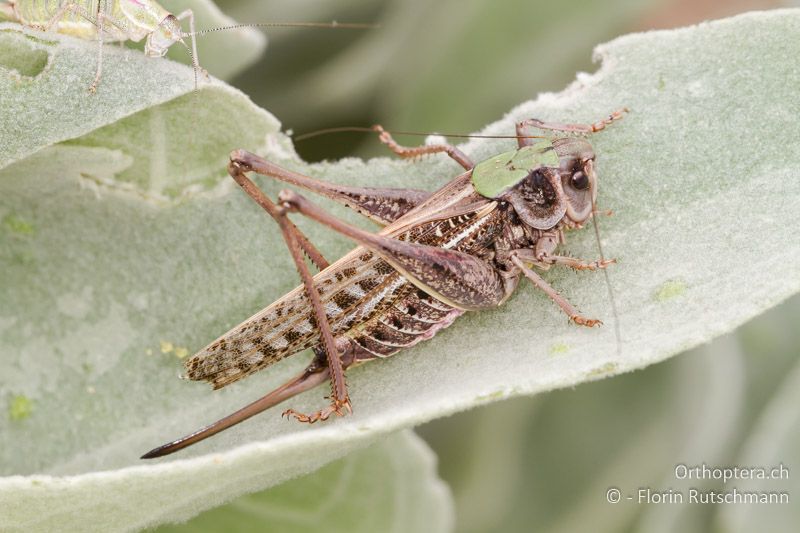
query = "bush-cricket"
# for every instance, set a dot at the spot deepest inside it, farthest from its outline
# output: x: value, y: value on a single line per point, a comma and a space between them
x: 462, y: 248
x: 127, y: 20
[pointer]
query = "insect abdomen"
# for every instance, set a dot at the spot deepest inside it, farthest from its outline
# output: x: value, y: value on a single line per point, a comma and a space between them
x: 40, y: 12
x: 412, y: 317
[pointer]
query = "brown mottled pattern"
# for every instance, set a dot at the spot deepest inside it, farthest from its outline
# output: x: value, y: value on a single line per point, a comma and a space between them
x: 364, y: 298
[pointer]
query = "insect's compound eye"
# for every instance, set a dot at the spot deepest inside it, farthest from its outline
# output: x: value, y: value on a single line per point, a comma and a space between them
x: 581, y: 188
x: 580, y: 181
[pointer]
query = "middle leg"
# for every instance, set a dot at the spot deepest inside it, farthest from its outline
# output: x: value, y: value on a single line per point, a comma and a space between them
x: 559, y: 300
x: 547, y: 259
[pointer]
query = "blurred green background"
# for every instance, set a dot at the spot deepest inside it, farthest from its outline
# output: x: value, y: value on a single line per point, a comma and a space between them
x: 445, y: 66
x: 542, y: 463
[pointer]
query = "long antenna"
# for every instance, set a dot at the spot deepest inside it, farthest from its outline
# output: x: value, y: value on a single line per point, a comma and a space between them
x: 362, y: 129
x: 611, y: 299
x: 332, y: 25
x: 195, y: 66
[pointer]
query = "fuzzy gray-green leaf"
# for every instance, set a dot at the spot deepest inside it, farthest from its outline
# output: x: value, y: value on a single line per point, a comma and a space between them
x: 390, y: 486
x: 113, y: 264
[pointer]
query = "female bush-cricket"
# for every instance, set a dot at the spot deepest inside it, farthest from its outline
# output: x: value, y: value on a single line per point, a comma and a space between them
x: 462, y: 248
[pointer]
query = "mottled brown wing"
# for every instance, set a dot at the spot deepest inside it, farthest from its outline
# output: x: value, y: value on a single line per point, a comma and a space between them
x: 347, y: 290
x: 288, y: 326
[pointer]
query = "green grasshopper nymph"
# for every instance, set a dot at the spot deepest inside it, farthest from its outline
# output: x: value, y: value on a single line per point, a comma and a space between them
x: 125, y: 20
x: 462, y: 248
